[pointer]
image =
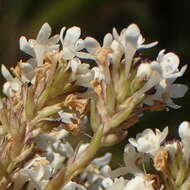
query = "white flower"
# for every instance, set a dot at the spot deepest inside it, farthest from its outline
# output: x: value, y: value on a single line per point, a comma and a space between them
x: 71, y: 43
x: 81, y: 73
x: 169, y: 63
x: 131, y: 35
x: 165, y: 91
x: 184, y: 133
x: 148, y: 141
x: 130, y: 40
x: 55, y: 148
x: 37, y: 172
x: 41, y: 46
x: 12, y: 85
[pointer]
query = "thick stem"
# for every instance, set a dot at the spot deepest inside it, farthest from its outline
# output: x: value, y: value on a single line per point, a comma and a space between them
x: 66, y: 174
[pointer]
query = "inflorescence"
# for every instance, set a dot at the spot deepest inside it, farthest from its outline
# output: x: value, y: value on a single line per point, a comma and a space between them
x: 79, y: 87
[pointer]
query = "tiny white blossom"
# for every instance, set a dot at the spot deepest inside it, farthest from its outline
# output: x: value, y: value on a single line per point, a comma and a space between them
x: 130, y: 39
x: 148, y: 141
x: 37, y: 172
x: 71, y: 43
x: 166, y: 91
x: 12, y: 84
x: 41, y: 46
x: 81, y: 73
x: 169, y: 63
x: 131, y: 35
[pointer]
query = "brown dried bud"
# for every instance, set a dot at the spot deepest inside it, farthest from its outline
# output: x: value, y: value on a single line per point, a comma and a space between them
x: 76, y: 103
x: 160, y: 160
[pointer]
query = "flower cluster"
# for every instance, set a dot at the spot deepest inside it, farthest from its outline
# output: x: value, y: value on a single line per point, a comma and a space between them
x: 73, y: 87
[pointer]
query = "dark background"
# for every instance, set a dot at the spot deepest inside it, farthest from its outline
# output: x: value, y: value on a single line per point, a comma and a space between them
x: 164, y: 20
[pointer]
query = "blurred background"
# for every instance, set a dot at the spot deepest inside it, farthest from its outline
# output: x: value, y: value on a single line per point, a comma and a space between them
x: 165, y: 21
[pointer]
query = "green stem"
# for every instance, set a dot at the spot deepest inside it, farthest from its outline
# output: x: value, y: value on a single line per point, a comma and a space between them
x: 66, y: 174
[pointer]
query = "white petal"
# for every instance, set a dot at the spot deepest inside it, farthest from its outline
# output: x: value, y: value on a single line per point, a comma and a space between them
x: 107, y: 40
x: 143, y: 70
x: 6, y: 74
x: 98, y: 74
x: 163, y: 134
x: 160, y: 55
x: 27, y: 70
x: 71, y: 36
x: 184, y: 130
x: 75, y: 64
x: 133, y: 142
x: 44, y: 33
x: 66, y: 117
x: 25, y: 46
x: 54, y: 39
x: 177, y: 74
x: 116, y: 35
x: 102, y: 161
x: 79, y: 45
x: 154, y: 79
x: 178, y: 90
x: 150, y: 45
x: 169, y: 63
x: 61, y: 34
x: 32, y: 62
x: 67, y: 53
x: 7, y: 89
x: 91, y: 45
x: 171, y: 104
x: 132, y: 34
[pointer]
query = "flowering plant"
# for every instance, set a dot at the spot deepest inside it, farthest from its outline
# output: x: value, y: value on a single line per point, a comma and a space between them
x: 79, y: 87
